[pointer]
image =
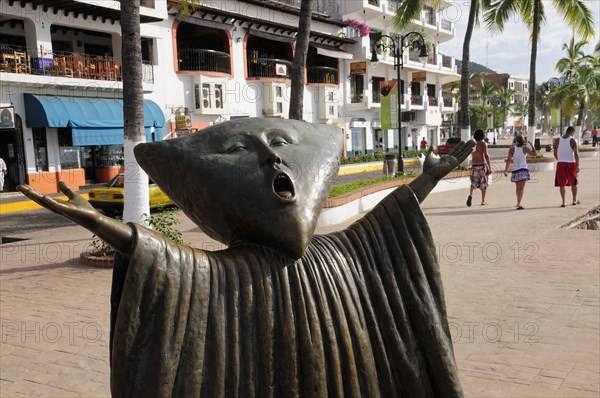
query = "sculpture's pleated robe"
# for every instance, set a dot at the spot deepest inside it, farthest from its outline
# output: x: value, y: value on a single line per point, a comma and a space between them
x: 362, y: 313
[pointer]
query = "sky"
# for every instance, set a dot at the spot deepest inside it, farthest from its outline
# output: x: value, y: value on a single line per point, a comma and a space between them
x: 509, y: 51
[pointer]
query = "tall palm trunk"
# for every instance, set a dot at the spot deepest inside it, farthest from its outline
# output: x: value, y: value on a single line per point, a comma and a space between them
x: 534, y: 42
x: 464, y: 121
x: 136, y: 180
x: 297, y: 72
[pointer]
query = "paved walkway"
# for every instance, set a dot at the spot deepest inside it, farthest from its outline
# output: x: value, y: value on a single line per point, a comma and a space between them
x: 522, y: 298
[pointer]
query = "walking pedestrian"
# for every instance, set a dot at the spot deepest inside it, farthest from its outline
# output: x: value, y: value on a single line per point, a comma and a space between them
x: 480, y: 168
x: 517, y: 154
x: 567, y: 155
x: 595, y: 136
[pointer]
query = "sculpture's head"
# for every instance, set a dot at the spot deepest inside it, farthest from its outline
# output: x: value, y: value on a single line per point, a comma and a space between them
x: 255, y: 180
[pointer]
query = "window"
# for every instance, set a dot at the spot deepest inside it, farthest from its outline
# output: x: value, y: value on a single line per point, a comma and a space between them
x: 40, y: 148
x: 147, y: 50
x: 357, y: 87
x: 70, y: 156
x: 210, y: 97
x: 431, y: 90
x: 376, y: 88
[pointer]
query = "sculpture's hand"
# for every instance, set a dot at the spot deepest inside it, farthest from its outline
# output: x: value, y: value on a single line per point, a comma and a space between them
x: 76, y: 209
x: 79, y: 210
x: 437, y: 167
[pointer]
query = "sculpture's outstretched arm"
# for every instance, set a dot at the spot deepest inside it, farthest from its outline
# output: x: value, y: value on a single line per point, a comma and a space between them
x: 436, y: 167
x: 79, y: 210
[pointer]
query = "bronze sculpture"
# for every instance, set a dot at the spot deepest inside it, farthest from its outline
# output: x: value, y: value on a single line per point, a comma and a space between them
x: 359, y: 312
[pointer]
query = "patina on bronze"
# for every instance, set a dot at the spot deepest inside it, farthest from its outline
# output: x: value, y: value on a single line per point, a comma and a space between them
x: 281, y: 312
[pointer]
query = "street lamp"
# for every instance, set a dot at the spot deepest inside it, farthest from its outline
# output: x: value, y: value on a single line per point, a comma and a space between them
x: 396, y: 46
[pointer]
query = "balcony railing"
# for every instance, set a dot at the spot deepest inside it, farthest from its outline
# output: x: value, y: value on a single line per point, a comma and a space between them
x: 429, y: 18
x: 197, y: 59
x: 269, y: 68
x: 445, y: 24
x: 376, y: 97
x: 447, y: 100
x: 432, y: 101
x: 22, y: 60
x: 432, y: 58
x: 416, y: 99
x: 357, y: 98
x: 322, y: 74
x: 374, y: 3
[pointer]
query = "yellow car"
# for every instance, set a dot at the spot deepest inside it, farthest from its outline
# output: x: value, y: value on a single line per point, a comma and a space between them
x: 110, y: 197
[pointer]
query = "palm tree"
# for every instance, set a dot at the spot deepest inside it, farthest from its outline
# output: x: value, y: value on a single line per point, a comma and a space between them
x: 136, y: 180
x: 582, y: 89
x: 542, y: 98
x: 575, y: 12
x: 505, y: 97
x: 297, y: 71
x: 137, y: 202
x: 575, y: 57
x: 409, y: 9
x: 485, y: 89
x: 520, y: 109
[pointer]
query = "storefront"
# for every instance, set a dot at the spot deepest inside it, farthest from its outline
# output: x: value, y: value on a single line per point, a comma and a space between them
x: 80, y: 140
x: 11, y: 147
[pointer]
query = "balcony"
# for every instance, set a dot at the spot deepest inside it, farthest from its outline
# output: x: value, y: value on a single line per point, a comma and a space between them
x: 322, y: 75
x: 357, y: 98
x: 416, y: 100
x: 27, y: 61
x: 432, y: 101
x: 202, y: 60
x: 269, y: 68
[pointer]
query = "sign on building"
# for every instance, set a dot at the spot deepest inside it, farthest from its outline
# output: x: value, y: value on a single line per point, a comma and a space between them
x: 389, y: 104
x: 419, y: 76
x: 358, y: 68
x: 7, y: 117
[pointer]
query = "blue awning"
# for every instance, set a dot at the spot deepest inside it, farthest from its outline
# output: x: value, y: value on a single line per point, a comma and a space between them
x: 94, y: 121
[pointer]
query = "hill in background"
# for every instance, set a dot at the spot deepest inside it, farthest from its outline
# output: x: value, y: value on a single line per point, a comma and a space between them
x: 474, y: 67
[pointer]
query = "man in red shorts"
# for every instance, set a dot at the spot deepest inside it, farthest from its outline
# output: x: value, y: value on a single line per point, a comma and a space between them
x: 567, y: 154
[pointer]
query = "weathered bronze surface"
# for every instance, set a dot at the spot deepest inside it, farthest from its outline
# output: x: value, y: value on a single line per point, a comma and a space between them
x: 281, y: 312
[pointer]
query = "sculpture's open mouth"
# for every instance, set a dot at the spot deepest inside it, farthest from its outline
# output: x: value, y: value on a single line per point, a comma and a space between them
x: 284, y: 188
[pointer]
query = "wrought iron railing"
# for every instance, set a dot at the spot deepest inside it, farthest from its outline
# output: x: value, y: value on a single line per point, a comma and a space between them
x: 356, y: 98
x: 322, y: 74
x: 197, y: 59
x: 269, y: 68
x: 432, y: 101
x: 446, y: 25
x: 416, y: 99
x: 376, y: 97
x: 374, y: 3
x: 447, y: 100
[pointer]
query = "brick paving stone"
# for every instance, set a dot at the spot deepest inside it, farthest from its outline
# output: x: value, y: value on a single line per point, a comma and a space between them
x: 522, y: 297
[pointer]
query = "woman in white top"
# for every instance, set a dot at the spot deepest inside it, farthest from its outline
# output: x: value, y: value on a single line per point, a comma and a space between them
x: 517, y: 154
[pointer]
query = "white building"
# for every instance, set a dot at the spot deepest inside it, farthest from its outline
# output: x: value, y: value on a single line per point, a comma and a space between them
x: 60, y: 72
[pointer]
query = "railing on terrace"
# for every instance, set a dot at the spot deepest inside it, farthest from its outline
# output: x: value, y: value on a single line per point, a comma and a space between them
x: 432, y: 58
x: 446, y: 61
x: 322, y: 74
x: 197, y: 59
x: 374, y: 3
x: 416, y: 100
x: 22, y: 60
x: 357, y: 98
x: 413, y: 55
x: 447, y: 100
x: 446, y: 25
x: 393, y: 5
x: 269, y: 67
x: 432, y: 101
x: 376, y: 97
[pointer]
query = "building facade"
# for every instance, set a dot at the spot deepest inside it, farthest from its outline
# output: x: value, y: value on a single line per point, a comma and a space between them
x: 60, y: 78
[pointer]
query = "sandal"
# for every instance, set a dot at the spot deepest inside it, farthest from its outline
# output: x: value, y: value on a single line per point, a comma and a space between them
x: 520, y: 207
x: 563, y: 205
x: 469, y: 200
x: 576, y: 203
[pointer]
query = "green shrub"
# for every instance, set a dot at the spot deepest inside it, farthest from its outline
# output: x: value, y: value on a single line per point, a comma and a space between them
x: 342, y: 189
x: 378, y: 156
x: 165, y: 222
